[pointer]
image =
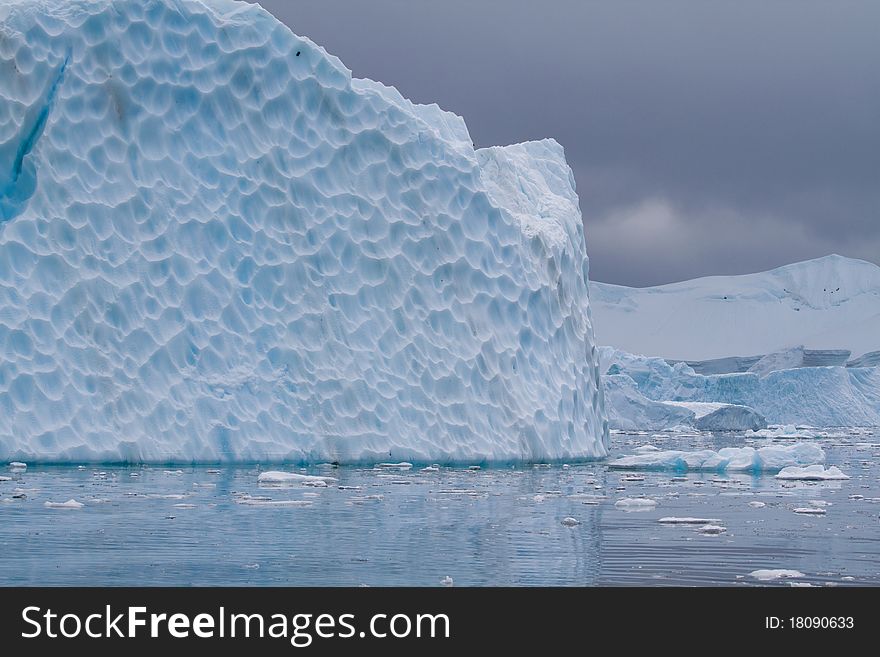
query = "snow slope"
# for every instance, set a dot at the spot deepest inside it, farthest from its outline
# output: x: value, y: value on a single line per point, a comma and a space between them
x: 215, y: 245
x: 828, y: 303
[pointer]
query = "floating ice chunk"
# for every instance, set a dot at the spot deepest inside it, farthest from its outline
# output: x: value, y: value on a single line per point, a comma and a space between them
x: 446, y: 581
x: 69, y: 504
x: 769, y: 459
x: 810, y: 510
x: 278, y: 477
x: 644, y: 449
x: 673, y: 520
x: 635, y: 504
x: 184, y: 506
x: 812, y: 473
x: 5, y: 478
x: 253, y: 501
x: 766, y: 575
x: 712, y: 530
x: 403, y: 465
x: 757, y: 505
x: 18, y: 465
x: 570, y: 522
x: 431, y: 468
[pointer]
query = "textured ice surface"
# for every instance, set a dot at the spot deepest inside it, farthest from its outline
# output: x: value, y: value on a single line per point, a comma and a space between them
x: 216, y: 246
x: 746, y: 459
x: 818, y: 396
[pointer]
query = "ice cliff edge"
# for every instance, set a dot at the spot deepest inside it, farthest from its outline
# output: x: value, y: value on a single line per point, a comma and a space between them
x: 215, y: 245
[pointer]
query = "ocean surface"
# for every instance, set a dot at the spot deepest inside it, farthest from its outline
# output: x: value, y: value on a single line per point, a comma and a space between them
x: 492, y: 526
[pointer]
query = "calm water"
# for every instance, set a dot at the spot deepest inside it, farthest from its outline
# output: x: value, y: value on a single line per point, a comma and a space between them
x: 503, y: 526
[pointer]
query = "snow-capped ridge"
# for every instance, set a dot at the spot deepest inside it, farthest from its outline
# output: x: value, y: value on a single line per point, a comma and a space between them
x: 829, y: 303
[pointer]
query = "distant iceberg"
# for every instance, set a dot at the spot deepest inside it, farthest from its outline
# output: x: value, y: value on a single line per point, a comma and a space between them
x: 215, y: 245
x: 639, y: 389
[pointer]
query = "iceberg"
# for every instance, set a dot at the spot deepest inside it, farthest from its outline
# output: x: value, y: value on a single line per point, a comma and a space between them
x: 772, y: 458
x: 828, y: 396
x: 217, y: 246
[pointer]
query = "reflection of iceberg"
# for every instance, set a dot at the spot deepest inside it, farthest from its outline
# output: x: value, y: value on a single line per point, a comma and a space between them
x: 216, y: 245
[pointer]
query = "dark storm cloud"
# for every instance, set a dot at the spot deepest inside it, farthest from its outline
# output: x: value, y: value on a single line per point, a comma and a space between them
x: 705, y: 137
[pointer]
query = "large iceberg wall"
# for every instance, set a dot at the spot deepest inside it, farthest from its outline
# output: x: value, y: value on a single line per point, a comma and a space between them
x: 215, y: 245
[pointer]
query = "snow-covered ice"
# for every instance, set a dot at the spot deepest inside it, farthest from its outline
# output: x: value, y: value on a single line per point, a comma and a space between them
x: 278, y: 477
x: 811, y: 473
x: 570, y: 522
x: 217, y: 245
x: 69, y: 504
x: 829, y: 302
x: 768, y: 574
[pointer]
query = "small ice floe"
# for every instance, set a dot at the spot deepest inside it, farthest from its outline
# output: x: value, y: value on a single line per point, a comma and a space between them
x: 474, y: 468
x: 570, y: 522
x: 251, y: 566
x: 587, y: 498
x: 17, y: 465
x: 796, y: 585
x: 771, y: 458
x: 632, y: 477
x: 636, y: 504
x: 69, y: 504
x: 348, y: 487
x: 5, y: 478
x: 766, y: 575
x: 446, y: 581
x: 645, y: 449
x: 198, y: 485
x: 673, y: 520
x: 757, y: 505
x: 168, y: 472
x: 811, y: 473
x: 403, y: 465
x: 253, y: 501
x: 184, y: 506
x: 213, y: 471
x: 819, y: 503
x: 278, y: 477
x: 431, y: 468
x: 810, y: 511
x: 712, y: 530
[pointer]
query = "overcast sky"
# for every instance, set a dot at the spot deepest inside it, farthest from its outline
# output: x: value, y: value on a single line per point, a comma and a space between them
x: 705, y: 137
